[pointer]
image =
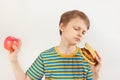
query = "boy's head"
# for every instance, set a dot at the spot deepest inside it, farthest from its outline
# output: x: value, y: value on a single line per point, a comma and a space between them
x: 67, y: 16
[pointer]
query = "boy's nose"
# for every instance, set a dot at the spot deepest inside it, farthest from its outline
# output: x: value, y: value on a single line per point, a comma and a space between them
x: 80, y: 34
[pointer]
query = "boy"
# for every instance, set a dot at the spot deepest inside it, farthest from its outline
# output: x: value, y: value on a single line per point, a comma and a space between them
x: 62, y: 62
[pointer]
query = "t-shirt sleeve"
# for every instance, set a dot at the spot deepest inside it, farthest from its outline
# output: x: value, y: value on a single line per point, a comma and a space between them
x: 36, y: 71
x: 89, y: 74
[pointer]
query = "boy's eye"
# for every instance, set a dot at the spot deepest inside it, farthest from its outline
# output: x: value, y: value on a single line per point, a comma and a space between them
x: 75, y: 28
x: 78, y: 29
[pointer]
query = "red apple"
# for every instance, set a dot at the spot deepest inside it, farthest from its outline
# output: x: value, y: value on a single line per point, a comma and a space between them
x: 9, y: 42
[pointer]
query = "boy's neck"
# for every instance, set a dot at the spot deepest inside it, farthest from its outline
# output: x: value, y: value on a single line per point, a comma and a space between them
x: 66, y: 49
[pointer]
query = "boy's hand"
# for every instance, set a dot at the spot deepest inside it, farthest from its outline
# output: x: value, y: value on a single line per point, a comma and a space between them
x: 13, y: 54
x: 96, y: 68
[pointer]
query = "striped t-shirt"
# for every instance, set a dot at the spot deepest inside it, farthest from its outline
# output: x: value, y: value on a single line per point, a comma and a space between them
x: 57, y: 66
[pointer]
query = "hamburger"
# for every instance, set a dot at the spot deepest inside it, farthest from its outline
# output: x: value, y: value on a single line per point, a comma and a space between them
x: 89, y: 54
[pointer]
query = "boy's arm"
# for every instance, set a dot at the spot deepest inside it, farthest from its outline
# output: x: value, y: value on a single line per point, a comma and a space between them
x: 18, y: 72
x: 96, y: 68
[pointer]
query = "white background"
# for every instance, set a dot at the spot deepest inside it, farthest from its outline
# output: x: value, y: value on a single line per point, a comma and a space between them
x: 35, y: 22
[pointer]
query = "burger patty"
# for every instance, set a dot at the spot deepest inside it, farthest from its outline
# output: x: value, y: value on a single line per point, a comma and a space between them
x: 87, y: 54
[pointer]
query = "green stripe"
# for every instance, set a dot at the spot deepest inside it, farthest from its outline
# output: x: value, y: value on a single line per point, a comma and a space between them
x: 50, y: 63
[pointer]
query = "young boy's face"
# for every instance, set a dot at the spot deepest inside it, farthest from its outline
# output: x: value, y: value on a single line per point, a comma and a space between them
x: 74, y: 31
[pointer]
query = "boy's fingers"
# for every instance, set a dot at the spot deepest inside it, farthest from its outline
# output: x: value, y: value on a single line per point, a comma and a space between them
x: 98, y: 56
x: 98, y: 59
x: 14, y: 47
x: 20, y: 43
x: 17, y: 47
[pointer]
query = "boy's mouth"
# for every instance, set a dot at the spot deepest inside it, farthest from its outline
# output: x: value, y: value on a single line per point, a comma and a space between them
x: 77, y: 39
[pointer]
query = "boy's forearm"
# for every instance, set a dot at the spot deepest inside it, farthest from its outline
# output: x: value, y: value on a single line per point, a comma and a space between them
x: 18, y: 72
x: 95, y: 75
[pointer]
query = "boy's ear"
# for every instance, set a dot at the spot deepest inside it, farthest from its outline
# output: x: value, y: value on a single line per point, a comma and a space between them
x: 61, y: 27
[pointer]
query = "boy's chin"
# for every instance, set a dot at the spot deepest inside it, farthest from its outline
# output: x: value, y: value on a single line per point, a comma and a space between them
x: 75, y: 43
